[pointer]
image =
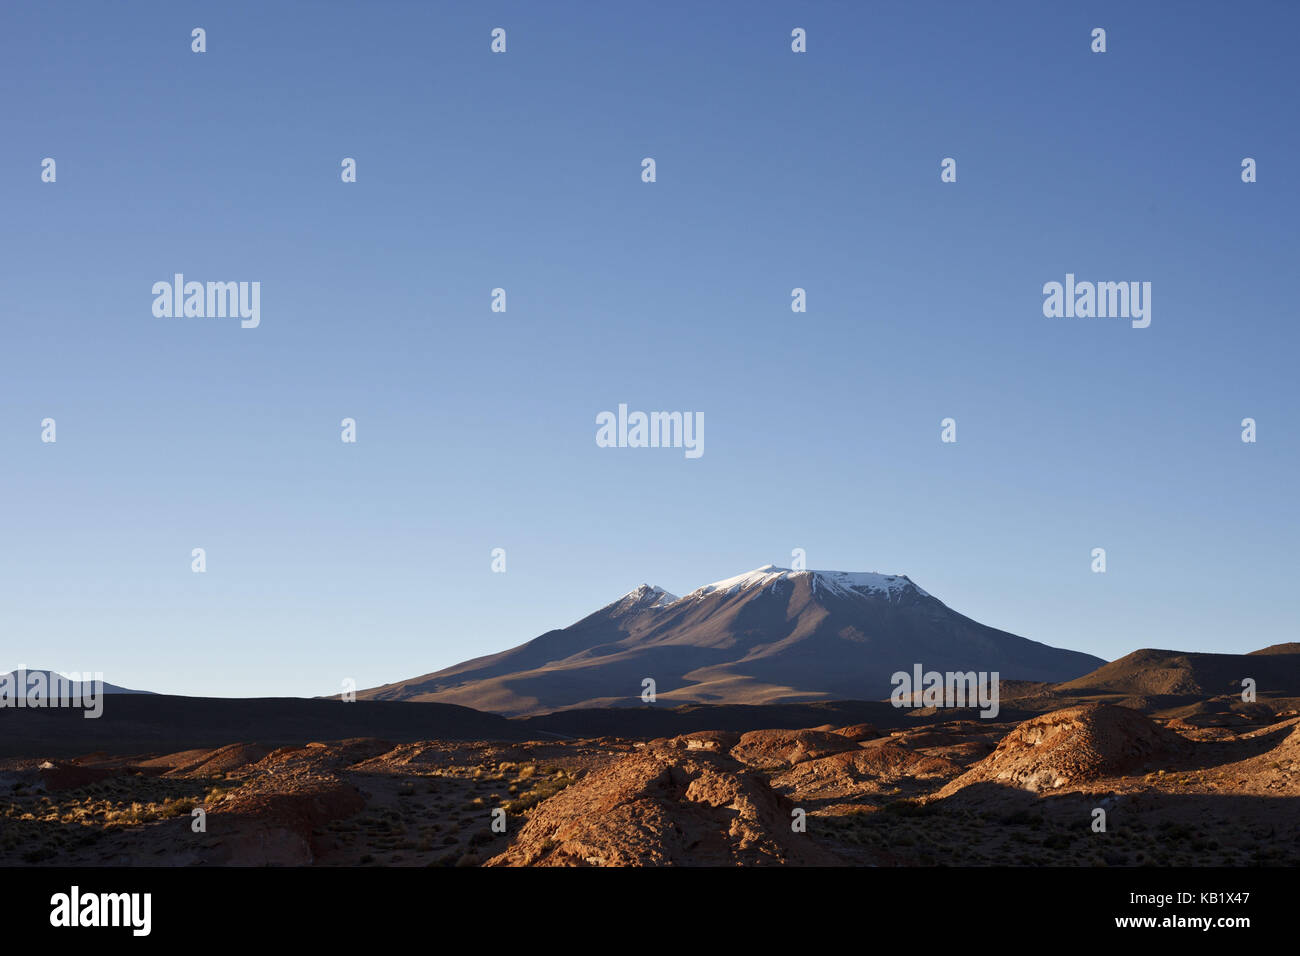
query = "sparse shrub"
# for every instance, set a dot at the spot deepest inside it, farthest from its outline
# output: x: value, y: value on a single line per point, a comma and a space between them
x: 910, y: 808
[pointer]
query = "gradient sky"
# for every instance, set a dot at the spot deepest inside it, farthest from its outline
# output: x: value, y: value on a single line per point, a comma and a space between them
x: 476, y: 429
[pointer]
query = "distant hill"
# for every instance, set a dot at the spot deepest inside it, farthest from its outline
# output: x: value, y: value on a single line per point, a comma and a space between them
x: 646, y: 721
x: 771, y: 636
x: 1290, y: 648
x: 1150, y: 672
x: 158, y: 723
x: 74, y: 687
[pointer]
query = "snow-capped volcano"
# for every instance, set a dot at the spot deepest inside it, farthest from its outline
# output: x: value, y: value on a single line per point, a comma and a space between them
x: 766, y: 636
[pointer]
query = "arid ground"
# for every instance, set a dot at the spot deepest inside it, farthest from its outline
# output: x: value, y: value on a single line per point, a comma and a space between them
x: 1176, y: 781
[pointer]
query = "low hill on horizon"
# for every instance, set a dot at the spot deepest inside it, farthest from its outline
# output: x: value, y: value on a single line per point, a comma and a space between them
x: 1155, y: 672
x: 23, y: 677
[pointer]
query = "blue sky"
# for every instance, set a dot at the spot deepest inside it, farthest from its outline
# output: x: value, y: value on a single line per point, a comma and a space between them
x: 476, y: 429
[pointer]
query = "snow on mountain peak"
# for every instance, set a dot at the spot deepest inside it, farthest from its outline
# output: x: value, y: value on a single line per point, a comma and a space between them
x: 857, y: 582
x: 647, y: 595
x: 662, y: 597
x: 890, y: 586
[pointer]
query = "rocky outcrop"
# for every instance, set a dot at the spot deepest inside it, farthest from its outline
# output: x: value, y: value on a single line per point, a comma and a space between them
x: 664, y: 807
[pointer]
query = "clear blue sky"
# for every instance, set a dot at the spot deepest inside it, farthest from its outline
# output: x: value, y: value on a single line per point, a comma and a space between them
x: 476, y: 430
